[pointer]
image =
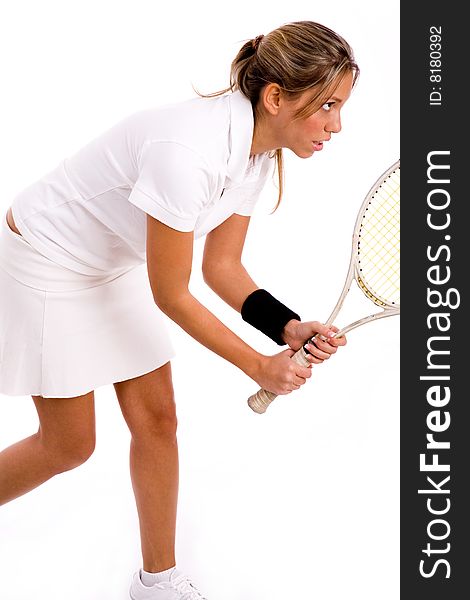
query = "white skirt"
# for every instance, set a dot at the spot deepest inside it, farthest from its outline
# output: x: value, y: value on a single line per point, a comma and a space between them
x: 63, y: 334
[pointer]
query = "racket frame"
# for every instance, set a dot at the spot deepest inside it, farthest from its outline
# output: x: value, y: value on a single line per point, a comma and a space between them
x: 389, y: 309
x: 260, y: 401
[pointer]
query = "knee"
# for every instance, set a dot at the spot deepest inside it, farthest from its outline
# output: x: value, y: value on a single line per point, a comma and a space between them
x: 67, y: 454
x: 156, y: 421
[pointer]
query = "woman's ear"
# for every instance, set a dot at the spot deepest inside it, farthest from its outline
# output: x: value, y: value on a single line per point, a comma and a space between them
x: 270, y: 98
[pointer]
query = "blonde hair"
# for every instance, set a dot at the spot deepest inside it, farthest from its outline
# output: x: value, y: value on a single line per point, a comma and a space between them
x: 297, y: 57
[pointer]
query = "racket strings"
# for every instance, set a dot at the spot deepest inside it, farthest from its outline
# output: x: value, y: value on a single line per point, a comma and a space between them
x: 380, y: 256
x: 378, y: 245
x: 381, y: 249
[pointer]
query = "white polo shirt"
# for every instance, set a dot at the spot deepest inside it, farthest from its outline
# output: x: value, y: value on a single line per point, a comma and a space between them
x: 186, y: 164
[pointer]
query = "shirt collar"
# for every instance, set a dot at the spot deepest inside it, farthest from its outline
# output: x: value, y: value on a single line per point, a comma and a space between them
x: 240, y: 135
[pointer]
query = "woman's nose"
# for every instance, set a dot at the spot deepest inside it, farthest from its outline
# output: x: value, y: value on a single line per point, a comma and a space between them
x: 334, y: 124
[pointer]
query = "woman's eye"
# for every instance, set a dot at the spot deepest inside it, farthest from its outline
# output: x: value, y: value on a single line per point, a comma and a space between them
x: 327, y: 105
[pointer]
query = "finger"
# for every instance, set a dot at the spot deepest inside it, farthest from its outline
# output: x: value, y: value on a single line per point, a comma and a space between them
x: 293, y: 387
x: 317, y: 352
x: 327, y: 331
x: 299, y: 381
x: 337, y: 341
x: 322, y: 346
x: 302, y: 372
x: 332, y: 342
x: 289, y: 387
x: 313, y: 360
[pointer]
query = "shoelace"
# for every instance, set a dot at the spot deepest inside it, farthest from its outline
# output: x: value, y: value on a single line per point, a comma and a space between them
x: 183, y: 585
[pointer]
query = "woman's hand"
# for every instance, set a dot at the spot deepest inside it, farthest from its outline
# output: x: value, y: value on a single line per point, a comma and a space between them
x: 280, y: 374
x: 296, y: 333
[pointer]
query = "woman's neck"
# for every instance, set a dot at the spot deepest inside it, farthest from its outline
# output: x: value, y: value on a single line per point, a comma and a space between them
x: 264, y: 138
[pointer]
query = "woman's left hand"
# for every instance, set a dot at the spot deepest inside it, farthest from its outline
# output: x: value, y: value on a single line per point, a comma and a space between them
x: 296, y: 333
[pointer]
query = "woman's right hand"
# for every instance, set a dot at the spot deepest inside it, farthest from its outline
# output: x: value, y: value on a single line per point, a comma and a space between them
x: 280, y: 374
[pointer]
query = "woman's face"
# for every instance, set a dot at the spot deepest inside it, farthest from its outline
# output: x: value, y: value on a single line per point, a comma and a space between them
x: 307, y: 135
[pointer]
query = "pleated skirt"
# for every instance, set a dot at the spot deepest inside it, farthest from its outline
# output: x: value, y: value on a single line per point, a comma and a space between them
x: 63, y: 333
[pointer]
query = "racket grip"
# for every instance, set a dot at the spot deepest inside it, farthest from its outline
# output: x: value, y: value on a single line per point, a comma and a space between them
x: 260, y: 401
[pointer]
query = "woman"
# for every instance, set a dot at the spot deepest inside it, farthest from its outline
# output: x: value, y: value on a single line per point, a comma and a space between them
x: 76, y: 312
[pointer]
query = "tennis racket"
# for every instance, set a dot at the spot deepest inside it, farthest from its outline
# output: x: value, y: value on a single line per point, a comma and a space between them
x: 374, y: 264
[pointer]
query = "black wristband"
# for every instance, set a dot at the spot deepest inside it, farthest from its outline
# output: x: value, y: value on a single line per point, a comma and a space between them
x: 267, y: 314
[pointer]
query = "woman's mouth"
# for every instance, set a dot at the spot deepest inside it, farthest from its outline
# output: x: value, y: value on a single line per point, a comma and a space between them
x: 317, y: 146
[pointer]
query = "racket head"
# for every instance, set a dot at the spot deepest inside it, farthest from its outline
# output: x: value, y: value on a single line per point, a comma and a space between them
x: 376, y: 241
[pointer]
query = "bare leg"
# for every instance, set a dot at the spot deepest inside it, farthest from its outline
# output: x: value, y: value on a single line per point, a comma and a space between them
x: 65, y: 439
x: 148, y: 407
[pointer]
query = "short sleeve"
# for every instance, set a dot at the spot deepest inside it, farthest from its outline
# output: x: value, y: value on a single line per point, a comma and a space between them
x: 248, y: 206
x: 174, y: 184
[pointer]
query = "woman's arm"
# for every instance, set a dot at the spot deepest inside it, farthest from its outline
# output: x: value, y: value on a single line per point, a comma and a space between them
x: 169, y: 261
x: 222, y: 266
x: 225, y: 274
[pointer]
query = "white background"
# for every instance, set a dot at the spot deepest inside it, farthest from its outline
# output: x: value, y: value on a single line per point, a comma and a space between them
x: 303, y: 502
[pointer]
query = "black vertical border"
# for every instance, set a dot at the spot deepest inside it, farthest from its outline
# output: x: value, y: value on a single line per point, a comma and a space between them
x: 426, y: 128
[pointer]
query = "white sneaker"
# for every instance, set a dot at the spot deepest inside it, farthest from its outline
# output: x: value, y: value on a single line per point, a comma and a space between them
x: 179, y: 587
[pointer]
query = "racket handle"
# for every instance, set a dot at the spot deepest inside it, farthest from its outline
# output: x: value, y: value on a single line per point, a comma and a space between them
x: 260, y: 401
